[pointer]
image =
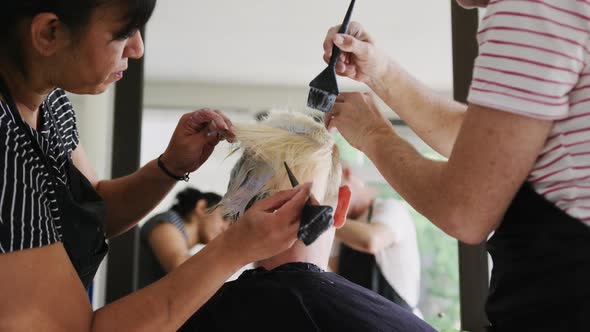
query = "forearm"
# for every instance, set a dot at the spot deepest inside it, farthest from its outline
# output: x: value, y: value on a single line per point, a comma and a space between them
x: 131, y: 197
x: 168, y: 303
x: 435, y: 118
x: 356, y: 235
x: 417, y: 179
x: 175, y: 262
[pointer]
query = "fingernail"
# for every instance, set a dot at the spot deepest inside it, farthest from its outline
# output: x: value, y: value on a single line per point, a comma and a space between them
x: 338, y: 39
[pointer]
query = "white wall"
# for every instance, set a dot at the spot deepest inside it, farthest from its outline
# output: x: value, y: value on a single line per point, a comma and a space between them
x: 278, y: 42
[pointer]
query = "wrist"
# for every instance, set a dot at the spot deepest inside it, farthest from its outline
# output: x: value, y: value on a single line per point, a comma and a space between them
x: 231, y: 247
x: 227, y: 258
x: 167, y: 168
x: 377, y: 139
x: 384, y: 77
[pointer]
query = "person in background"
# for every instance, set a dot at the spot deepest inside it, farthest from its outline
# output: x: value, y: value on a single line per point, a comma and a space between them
x: 518, y: 171
x: 167, y: 238
x: 291, y: 291
x: 377, y: 246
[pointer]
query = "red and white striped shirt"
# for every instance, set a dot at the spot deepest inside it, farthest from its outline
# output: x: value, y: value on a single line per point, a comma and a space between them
x: 533, y: 62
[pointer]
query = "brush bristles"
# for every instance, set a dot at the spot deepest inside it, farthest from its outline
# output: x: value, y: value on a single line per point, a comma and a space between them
x: 320, y: 100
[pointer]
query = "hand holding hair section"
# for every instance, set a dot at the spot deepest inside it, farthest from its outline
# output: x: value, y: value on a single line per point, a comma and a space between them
x: 315, y: 219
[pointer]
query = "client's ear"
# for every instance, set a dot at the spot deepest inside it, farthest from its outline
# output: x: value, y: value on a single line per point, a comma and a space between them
x: 342, y: 207
x: 346, y: 173
x: 201, y: 208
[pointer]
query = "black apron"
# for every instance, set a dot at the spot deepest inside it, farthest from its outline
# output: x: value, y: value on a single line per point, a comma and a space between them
x: 82, y: 210
x: 362, y: 269
x: 541, y: 274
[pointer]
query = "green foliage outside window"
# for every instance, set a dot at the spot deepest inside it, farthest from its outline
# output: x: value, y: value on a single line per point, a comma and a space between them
x: 439, y: 301
x: 440, y: 273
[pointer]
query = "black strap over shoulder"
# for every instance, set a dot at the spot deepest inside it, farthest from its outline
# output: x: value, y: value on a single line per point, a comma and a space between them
x: 82, y: 210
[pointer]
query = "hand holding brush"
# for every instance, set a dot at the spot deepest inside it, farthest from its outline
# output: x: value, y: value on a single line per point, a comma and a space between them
x: 324, y: 88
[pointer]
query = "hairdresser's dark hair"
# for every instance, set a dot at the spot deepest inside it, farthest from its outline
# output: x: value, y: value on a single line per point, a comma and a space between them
x: 188, y: 198
x: 74, y: 14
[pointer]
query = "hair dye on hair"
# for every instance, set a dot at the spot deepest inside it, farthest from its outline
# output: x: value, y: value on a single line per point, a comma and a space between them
x: 291, y: 137
x: 248, y: 177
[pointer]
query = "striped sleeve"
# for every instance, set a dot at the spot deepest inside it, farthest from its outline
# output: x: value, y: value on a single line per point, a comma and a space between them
x: 531, y: 54
x: 65, y: 117
x: 170, y: 217
x: 25, y: 212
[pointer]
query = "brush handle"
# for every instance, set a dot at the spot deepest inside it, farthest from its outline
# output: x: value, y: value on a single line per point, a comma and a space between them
x: 343, y: 29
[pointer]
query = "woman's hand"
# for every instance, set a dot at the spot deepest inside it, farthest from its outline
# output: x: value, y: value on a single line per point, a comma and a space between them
x: 360, y: 59
x: 195, y: 138
x: 358, y: 119
x: 269, y: 227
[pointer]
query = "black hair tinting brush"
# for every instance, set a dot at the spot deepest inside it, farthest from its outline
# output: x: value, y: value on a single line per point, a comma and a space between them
x: 324, y: 88
x: 315, y: 219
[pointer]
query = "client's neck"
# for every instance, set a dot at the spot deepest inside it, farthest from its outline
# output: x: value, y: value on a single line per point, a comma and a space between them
x: 317, y: 253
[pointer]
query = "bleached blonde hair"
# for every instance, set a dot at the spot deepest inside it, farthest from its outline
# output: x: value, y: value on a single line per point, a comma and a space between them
x: 283, y: 136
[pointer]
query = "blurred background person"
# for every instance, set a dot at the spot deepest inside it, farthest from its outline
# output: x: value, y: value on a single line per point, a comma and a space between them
x: 377, y: 246
x: 167, y: 238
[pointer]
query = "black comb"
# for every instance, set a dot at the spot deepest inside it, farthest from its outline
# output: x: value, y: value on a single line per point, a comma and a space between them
x: 324, y: 88
x: 315, y: 219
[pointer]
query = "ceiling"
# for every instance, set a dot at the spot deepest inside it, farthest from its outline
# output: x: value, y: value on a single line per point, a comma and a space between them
x: 279, y: 42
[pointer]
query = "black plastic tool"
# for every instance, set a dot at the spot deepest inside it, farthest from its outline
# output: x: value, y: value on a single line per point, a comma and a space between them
x: 324, y: 88
x: 315, y: 219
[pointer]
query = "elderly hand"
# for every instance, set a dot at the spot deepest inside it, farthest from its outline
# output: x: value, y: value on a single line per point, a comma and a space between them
x: 358, y: 119
x: 195, y: 138
x: 360, y: 59
x: 270, y: 226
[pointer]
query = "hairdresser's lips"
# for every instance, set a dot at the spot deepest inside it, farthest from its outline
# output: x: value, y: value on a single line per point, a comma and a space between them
x: 119, y: 75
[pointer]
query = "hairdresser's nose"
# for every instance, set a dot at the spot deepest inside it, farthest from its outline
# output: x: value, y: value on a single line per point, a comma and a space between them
x: 134, y: 48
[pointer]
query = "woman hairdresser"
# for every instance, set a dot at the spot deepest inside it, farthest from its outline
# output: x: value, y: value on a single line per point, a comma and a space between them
x: 517, y: 154
x: 52, y: 205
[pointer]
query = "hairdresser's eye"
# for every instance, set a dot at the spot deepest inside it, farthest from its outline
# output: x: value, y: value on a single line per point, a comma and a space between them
x: 126, y: 34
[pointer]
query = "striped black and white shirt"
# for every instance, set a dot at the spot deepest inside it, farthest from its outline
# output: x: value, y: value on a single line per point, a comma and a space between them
x: 29, y: 213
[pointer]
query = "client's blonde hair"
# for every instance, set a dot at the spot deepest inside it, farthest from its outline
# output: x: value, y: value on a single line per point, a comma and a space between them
x: 283, y: 136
